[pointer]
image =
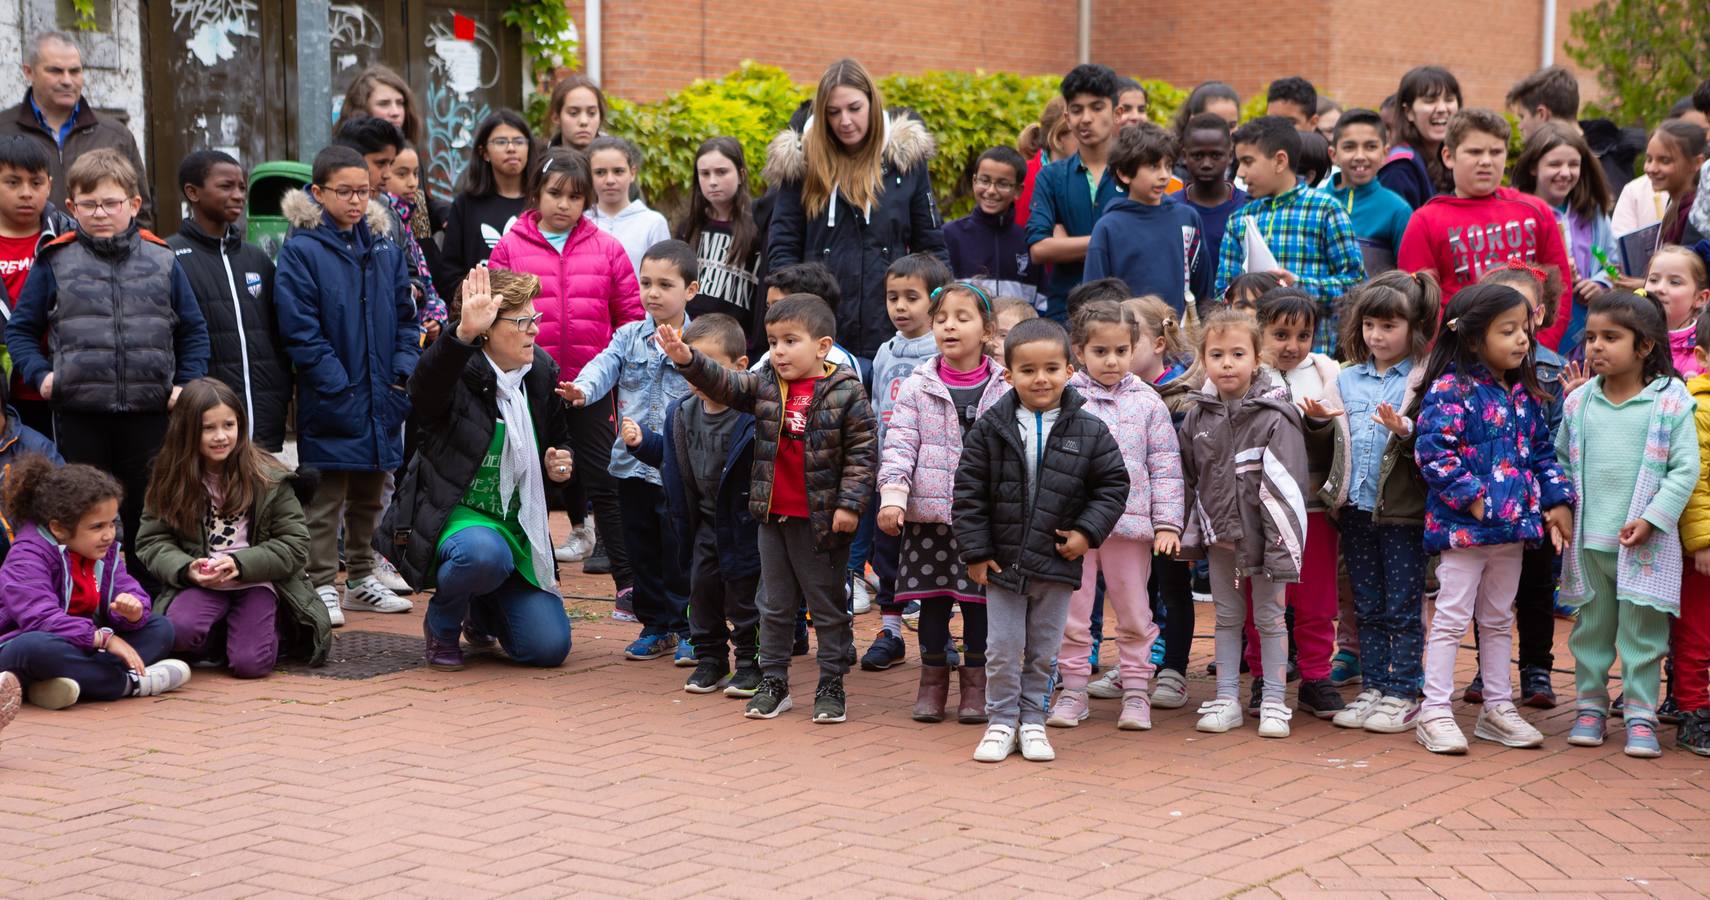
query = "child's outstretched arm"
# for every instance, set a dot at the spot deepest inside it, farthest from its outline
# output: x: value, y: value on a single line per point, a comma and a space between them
x: 598, y: 377
x: 738, y: 390
x: 1442, y: 421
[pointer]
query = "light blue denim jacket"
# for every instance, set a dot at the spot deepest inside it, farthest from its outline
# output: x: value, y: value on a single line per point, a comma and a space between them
x: 1363, y: 389
x: 646, y: 384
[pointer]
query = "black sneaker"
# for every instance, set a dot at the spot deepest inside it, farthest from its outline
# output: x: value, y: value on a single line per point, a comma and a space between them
x: 828, y: 701
x: 1320, y: 698
x: 800, y: 648
x: 708, y: 674
x: 1668, y: 711
x: 597, y: 563
x: 1475, y: 690
x: 1694, y: 732
x: 1257, y: 698
x: 1535, y: 688
x: 744, y: 682
x: 887, y: 650
x: 770, y: 698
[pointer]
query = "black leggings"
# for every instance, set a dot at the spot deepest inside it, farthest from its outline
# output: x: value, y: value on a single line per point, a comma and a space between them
x: 1171, y: 587
x: 935, y: 632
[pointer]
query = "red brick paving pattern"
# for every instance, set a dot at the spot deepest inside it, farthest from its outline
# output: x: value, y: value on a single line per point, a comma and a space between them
x: 605, y: 778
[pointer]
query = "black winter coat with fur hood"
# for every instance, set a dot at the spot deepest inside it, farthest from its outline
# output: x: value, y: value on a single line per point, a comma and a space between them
x: 858, y: 246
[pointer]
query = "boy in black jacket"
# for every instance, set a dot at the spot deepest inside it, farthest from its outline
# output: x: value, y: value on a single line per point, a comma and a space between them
x: 1040, y: 482
x: 233, y: 283
x: 705, y: 460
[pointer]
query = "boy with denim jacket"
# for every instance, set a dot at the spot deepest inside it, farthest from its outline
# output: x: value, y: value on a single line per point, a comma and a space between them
x: 647, y: 384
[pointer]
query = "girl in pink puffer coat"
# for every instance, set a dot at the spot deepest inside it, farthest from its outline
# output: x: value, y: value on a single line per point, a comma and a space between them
x: 937, y: 405
x: 1104, y: 336
x: 587, y: 290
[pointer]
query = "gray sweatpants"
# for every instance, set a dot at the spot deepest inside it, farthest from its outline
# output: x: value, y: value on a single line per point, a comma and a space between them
x: 791, y: 569
x: 1231, y: 603
x: 1023, y: 632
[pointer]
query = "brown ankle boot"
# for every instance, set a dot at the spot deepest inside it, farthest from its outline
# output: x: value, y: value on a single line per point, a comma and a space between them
x: 934, y: 693
x: 971, y: 702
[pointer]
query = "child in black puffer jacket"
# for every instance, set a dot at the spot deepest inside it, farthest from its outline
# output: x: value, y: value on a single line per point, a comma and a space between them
x: 1040, y: 482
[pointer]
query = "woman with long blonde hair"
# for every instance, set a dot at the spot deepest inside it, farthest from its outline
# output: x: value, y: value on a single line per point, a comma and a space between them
x: 854, y: 194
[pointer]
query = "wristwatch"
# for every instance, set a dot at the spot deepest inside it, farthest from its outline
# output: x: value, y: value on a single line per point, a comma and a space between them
x: 103, y: 637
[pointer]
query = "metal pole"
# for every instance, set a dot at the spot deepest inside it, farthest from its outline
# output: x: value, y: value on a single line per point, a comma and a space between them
x: 1084, y: 27
x: 314, y: 78
x: 591, y: 40
x: 1548, y: 57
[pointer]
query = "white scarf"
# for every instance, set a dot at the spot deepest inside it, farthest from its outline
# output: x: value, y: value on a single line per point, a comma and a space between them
x: 519, y: 471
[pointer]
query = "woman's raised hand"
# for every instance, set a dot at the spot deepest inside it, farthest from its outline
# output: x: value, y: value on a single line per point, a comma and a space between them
x: 479, y: 306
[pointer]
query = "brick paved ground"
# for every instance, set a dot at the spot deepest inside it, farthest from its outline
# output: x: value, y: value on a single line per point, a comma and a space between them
x: 605, y: 778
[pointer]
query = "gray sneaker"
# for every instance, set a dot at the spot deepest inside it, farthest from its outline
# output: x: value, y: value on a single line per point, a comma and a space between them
x: 1502, y: 723
x: 1440, y: 735
x: 771, y: 698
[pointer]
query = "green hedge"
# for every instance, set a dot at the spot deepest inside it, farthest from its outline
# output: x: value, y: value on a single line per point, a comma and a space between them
x: 968, y: 112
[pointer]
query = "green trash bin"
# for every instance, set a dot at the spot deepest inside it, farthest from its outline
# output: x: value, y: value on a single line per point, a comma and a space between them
x: 269, y: 182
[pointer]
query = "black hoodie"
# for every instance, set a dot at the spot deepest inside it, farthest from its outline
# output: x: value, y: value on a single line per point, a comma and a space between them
x: 233, y: 283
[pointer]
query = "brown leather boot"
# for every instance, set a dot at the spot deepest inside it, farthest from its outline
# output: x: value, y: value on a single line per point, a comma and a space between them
x: 971, y: 688
x: 934, y: 693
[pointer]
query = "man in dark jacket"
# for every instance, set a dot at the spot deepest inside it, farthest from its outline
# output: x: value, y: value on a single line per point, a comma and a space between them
x: 55, y: 111
x: 1040, y: 482
x: 233, y: 282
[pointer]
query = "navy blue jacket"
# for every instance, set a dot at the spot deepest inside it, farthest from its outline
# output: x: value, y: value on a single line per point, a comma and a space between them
x: 992, y: 247
x: 1405, y: 173
x: 734, y: 528
x: 1060, y: 197
x: 1154, y: 250
x: 349, y: 324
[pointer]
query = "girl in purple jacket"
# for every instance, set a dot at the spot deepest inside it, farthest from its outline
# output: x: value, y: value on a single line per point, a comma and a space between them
x: 73, y: 623
x: 1104, y: 335
x: 935, y: 407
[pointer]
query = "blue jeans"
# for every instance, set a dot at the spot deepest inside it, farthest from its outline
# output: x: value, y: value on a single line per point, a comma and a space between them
x: 38, y: 656
x: 1386, y: 567
x: 865, y: 532
x: 478, y: 581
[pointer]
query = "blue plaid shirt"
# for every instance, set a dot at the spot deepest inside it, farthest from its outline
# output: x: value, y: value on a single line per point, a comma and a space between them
x: 1311, y: 236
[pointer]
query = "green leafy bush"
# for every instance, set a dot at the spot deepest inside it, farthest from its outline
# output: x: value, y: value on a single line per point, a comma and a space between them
x: 967, y: 112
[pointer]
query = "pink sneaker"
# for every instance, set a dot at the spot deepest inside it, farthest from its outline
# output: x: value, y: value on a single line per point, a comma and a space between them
x: 1136, y: 712
x: 1069, y: 710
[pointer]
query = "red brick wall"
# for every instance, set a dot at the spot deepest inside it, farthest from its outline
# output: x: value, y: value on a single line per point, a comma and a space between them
x: 652, y: 47
x: 1353, y: 50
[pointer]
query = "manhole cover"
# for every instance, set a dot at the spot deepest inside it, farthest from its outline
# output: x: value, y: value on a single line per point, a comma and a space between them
x: 356, y: 655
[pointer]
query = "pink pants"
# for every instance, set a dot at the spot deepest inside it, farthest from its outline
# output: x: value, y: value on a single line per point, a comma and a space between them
x: 1473, y: 582
x: 1313, y: 601
x: 1126, y: 565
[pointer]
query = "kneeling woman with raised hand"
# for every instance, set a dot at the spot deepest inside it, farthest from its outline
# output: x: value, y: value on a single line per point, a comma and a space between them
x: 471, y: 514
x: 223, y: 530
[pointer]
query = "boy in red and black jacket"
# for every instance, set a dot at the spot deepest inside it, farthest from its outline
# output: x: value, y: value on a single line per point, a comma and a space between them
x: 815, y: 453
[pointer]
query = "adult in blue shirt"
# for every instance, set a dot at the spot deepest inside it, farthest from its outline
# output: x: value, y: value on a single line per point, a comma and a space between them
x: 1069, y: 195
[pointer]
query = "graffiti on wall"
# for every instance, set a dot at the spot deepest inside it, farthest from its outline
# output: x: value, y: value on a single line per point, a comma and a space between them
x: 216, y: 44
x: 214, y: 27
x: 460, y: 71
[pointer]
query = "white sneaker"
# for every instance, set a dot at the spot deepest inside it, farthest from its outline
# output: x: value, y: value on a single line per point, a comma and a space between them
x: 387, y: 574
x: 1392, y: 715
x: 996, y: 744
x: 1502, y: 723
x: 369, y: 595
x: 1108, y: 686
x: 860, y: 597
x: 1440, y: 735
x: 1219, y: 715
x: 1273, y: 719
x: 163, y: 676
x: 577, y: 546
x: 1171, y: 690
x: 1035, y: 745
x: 1355, y: 714
x: 329, y: 596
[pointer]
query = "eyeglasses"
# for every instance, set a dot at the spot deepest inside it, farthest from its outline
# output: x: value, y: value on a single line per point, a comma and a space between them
x: 502, y: 143
x: 983, y: 181
x: 524, y: 323
x: 348, y: 194
x: 91, y: 207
